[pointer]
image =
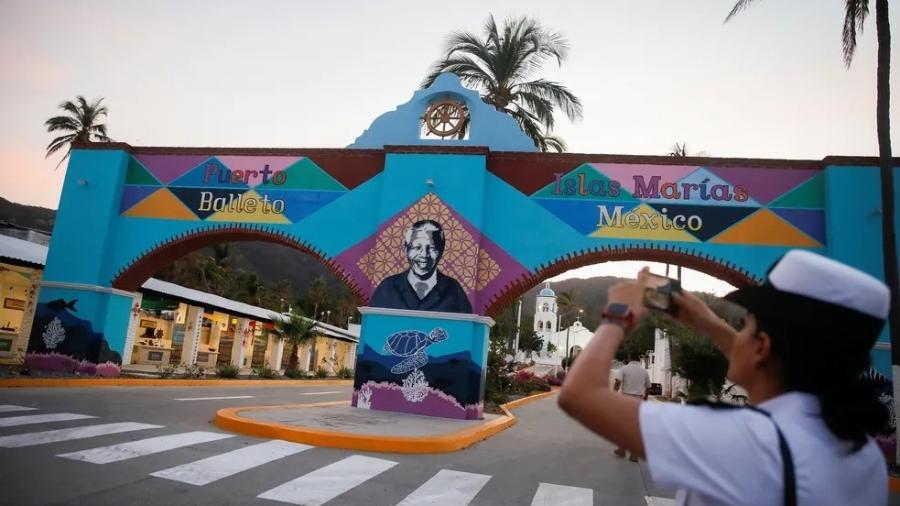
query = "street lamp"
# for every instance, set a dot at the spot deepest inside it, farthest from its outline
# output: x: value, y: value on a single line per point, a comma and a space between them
x: 566, y: 361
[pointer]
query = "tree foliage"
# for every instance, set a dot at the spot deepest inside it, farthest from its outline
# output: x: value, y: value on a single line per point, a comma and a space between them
x: 502, y: 62
x: 295, y: 330
x: 80, y: 125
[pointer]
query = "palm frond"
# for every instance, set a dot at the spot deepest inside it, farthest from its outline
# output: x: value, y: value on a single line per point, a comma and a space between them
x: 58, y: 143
x: 557, y: 93
x: 555, y: 143
x: 539, y: 106
x: 738, y: 7
x: 854, y: 19
x: 62, y: 123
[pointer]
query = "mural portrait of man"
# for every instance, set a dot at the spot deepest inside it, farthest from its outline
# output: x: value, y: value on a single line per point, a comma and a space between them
x: 422, y: 286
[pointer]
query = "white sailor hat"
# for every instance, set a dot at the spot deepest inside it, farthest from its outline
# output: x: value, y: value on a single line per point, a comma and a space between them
x: 819, y: 293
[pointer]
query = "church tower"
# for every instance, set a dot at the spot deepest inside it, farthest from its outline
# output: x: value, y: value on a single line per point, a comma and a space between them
x: 545, y: 310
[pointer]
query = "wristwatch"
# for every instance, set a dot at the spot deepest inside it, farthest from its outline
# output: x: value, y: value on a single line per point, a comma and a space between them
x: 621, y: 315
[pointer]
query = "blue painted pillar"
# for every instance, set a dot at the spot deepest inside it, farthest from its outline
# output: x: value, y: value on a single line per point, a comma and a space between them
x: 78, y: 313
x: 422, y: 362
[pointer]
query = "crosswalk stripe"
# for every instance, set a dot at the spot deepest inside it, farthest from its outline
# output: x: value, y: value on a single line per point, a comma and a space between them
x: 549, y: 494
x: 53, y: 436
x: 659, y: 501
x: 132, y: 449
x: 9, y: 408
x: 324, y: 484
x: 214, y: 468
x: 12, y: 421
x: 447, y: 488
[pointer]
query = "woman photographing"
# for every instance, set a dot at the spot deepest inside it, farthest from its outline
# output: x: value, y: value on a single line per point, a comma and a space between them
x: 800, y: 355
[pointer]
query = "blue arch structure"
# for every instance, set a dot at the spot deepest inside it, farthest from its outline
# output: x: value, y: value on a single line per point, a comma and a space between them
x: 510, y: 217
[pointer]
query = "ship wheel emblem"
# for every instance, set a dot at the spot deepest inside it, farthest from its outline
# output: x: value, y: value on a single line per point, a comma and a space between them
x: 445, y: 118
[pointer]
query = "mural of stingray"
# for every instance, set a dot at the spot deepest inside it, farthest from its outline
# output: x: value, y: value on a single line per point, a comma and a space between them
x: 58, y: 330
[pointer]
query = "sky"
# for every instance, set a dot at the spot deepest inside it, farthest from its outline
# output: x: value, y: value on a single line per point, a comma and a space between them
x: 769, y: 84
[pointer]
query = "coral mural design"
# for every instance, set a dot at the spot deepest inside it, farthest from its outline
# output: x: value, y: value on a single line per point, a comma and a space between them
x: 415, y: 387
x: 54, y: 333
x: 463, y: 259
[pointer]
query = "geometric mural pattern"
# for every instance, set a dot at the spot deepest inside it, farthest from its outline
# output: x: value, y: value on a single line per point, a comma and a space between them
x: 722, y: 205
x: 226, y: 188
x: 463, y: 259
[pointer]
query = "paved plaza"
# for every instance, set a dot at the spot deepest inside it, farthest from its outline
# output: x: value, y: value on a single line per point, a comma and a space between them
x: 122, y: 445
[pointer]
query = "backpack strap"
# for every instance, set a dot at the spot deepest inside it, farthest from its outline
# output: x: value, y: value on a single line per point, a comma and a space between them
x: 787, y: 459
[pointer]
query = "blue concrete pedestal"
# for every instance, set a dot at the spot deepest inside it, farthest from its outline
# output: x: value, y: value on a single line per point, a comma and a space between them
x: 422, y: 362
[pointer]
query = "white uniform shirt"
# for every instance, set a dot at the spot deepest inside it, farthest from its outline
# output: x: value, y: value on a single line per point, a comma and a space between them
x: 635, y: 380
x: 731, y: 456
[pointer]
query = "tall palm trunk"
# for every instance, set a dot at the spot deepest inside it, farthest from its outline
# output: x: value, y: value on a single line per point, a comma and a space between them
x: 888, y: 221
x: 294, y: 361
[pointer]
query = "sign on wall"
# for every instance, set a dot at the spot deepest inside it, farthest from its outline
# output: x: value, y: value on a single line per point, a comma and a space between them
x: 716, y: 205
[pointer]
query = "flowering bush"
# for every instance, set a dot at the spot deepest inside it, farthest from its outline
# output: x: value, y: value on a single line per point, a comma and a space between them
x: 58, y: 362
x: 553, y: 379
x: 108, y: 370
x: 50, y: 362
x: 525, y: 382
x: 86, y: 367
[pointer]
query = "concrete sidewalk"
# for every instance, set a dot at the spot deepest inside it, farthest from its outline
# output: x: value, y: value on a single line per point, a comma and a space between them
x: 337, y: 425
x: 345, y: 418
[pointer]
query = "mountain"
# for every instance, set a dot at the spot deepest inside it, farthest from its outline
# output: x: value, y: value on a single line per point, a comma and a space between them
x: 35, y: 217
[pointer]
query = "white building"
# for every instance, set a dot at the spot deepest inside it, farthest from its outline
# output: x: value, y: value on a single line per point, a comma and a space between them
x: 659, y: 366
x: 548, y: 325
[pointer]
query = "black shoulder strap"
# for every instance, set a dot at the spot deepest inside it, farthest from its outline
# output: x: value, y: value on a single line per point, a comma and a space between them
x: 790, y: 479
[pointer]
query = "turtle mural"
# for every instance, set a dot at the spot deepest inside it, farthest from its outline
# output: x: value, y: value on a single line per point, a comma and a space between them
x: 411, y: 344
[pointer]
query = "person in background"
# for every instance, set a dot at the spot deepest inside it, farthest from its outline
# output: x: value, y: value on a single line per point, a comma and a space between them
x: 632, y: 380
x: 800, y: 354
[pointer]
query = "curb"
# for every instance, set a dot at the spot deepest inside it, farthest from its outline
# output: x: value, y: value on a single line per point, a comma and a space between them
x: 230, y: 419
x: 153, y: 382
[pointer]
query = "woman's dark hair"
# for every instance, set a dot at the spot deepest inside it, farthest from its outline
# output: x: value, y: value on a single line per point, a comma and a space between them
x: 829, y: 362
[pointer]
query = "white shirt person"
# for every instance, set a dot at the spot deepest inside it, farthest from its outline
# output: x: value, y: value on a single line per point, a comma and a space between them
x: 801, y: 354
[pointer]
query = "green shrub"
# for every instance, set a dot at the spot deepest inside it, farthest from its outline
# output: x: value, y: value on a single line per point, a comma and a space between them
x: 265, y: 372
x: 321, y: 373
x: 345, y: 373
x: 166, y: 370
x: 227, y: 371
x: 193, y: 371
x: 294, y: 373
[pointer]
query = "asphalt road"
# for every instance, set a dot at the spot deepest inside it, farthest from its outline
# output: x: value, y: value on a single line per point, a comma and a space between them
x: 544, y: 459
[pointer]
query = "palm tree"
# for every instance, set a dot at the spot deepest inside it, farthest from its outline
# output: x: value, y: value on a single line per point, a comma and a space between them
x: 679, y: 150
x: 855, y: 13
x: 502, y: 64
x: 296, y: 330
x: 80, y: 124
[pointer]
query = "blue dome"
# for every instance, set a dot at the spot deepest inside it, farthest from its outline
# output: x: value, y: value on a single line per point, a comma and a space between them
x: 546, y: 292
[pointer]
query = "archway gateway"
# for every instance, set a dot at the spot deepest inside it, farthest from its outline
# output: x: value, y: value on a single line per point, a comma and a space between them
x: 439, y: 233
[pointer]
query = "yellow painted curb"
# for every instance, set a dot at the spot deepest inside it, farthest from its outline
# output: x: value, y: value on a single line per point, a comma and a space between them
x: 894, y: 484
x: 155, y: 382
x: 230, y: 419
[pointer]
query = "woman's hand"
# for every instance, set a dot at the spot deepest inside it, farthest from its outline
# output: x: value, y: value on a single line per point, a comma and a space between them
x: 630, y: 293
x: 694, y: 313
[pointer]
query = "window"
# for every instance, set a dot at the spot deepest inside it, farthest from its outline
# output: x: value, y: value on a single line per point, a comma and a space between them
x: 549, y: 326
x: 545, y: 307
x: 540, y: 325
